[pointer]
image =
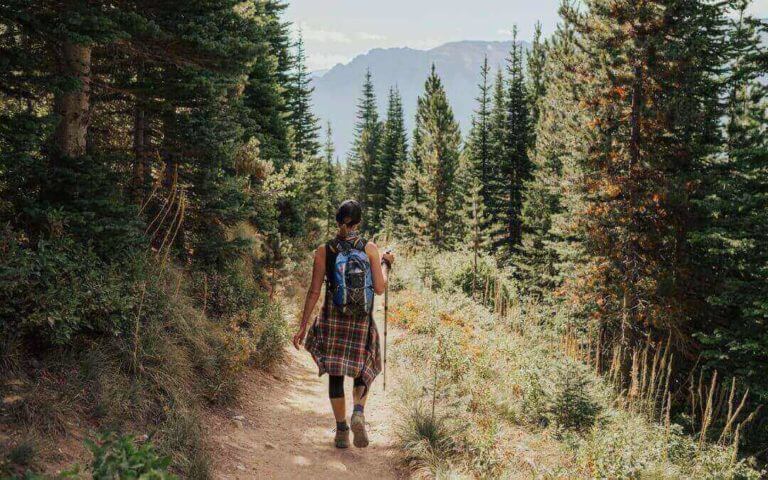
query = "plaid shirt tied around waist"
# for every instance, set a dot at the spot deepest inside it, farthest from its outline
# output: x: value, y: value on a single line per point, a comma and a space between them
x: 344, y: 344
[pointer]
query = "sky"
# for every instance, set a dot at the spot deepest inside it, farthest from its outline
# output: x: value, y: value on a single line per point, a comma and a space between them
x: 335, y: 31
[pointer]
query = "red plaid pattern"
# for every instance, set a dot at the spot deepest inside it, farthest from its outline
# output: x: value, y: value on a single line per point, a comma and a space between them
x: 345, y: 344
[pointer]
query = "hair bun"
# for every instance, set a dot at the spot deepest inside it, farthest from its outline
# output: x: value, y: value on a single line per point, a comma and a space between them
x: 350, y: 213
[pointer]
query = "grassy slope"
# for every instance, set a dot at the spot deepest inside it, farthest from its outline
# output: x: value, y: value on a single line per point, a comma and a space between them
x: 500, y: 398
x: 190, y: 339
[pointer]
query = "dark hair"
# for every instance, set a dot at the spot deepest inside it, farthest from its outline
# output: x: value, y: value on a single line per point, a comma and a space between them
x: 350, y: 213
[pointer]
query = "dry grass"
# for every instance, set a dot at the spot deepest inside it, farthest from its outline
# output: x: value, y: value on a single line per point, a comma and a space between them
x: 495, y: 372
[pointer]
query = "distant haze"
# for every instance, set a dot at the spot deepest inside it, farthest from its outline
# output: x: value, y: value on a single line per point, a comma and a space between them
x: 458, y: 63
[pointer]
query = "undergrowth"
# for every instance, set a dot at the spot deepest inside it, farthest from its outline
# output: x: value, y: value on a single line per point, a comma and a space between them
x: 131, y: 345
x: 113, y: 457
x: 493, y: 394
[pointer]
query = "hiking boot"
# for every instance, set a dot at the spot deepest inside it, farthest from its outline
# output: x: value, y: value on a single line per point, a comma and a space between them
x: 342, y: 438
x: 359, y: 429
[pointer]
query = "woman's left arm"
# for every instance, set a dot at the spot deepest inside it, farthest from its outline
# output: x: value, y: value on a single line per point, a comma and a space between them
x: 315, y: 288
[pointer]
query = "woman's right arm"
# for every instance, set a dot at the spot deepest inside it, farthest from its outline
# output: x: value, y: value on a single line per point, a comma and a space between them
x: 315, y: 288
x: 379, y: 268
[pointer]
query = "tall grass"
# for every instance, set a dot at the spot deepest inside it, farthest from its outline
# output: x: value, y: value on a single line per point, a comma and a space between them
x: 500, y: 376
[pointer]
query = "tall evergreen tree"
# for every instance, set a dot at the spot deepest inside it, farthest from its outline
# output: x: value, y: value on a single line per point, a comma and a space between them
x: 479, y: 143
x: 335, y: 193
x: 266, y: 95
x: 430, y: 188
x: 510, y: 138
x: 393, y: 158
x: 363, y: 163
x: 517, y: 168
x: 495, y: 186
x: 652, y: 108
x: 546, y: 251
x: 303, y: 123
x: 731, y: 245
x: 535, y: 62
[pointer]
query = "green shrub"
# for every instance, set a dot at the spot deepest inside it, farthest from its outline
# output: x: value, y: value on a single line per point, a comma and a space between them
x: 123, y: 458
x: 487, y: 277
x: 272, y: 336
x: 227, y: 292
x: 60, y: 289
x: 18, y: 461
x: 571, y: 405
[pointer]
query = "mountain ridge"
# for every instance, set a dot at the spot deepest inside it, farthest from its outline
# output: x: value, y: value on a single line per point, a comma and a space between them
x: 458, y: 64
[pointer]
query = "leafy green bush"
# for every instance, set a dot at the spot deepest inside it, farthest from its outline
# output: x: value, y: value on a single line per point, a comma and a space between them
x: 22, y: 454
x: 123, y: 458
x: 60, y: 289
x: 236, y: 300
x: 227, y: 293
x: 627, y: 446
x: 18, y: 459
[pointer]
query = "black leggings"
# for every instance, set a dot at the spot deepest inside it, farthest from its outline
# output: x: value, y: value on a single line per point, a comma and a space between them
x: 336, y: 385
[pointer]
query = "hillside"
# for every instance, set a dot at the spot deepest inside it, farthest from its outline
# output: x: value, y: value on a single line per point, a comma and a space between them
x: 458, y: 64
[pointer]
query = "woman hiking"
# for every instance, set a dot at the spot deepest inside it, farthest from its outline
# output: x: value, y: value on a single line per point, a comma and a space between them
x: 343, y: 339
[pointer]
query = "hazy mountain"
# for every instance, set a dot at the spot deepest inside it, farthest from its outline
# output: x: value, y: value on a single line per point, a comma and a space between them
x: 458, y: 63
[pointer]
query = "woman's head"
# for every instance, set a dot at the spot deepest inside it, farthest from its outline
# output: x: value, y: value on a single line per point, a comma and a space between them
x: 348, y: 216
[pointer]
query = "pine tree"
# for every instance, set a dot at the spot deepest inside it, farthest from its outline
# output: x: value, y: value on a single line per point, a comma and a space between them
x: 546, y: 251
x: 393, y: 158
x: 363, y: 163
x: 202, y: 133
x: 470, y: 222
x: 334, y: 195
x: 510, y: 138
x: 652, y: 108
x: 266, y: 95
x: 517, y: 168
x: 495, y: 187
x: 732, y: 244
x: 536, y: 61
x: 479, y: 143
x: 305, y: 145
x: 430, y: 187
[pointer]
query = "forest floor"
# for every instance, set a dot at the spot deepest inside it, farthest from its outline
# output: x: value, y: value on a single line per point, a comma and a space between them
x: 283, y: 429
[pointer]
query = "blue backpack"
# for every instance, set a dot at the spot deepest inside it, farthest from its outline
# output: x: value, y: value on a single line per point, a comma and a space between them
x: 349, y: 277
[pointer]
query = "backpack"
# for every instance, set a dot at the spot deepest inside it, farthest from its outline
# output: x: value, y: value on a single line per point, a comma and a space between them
x: 350, y: 282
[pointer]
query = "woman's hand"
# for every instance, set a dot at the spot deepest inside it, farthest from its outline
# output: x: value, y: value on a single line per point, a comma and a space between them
x: 388, y: 258
x: 298, y: 339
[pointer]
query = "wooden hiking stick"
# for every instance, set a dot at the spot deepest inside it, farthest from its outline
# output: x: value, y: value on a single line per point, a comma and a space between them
x: 386, y: 314
x: 386, y: 309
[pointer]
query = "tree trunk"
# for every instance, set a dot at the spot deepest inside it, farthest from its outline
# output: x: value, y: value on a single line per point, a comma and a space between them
x: 475, y: 244
x: 140, y: 153
x: 73, y: 105
x: 635, y: 119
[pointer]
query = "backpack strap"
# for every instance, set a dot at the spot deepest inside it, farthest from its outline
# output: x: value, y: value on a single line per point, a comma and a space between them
x: 360, y: 244
x: 331, y: 249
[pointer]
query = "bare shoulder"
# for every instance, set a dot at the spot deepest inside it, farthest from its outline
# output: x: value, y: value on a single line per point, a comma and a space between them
x: 320, y: 252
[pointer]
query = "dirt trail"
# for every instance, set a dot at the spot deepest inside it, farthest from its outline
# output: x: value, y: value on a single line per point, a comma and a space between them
x: 283, y: 429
